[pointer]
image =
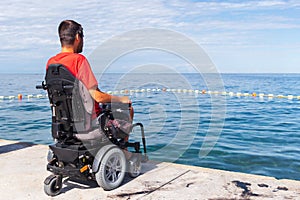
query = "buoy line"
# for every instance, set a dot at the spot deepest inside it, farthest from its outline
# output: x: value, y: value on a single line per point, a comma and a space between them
x: 165, y: 90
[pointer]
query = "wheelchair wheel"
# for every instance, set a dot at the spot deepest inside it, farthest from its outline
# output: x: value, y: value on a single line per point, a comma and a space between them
x: 50, y: 155
x: 112, y: 169
x: 53, y: 185
x: 134, y: 166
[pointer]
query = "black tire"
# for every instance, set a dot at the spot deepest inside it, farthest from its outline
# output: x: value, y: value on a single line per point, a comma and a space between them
x: 134, y: 166
x: 50, y: 155
x: 112, y: 169
x: 50, y: 189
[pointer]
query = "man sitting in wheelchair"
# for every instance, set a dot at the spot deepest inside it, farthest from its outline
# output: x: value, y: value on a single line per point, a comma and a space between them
x: 90, y: 141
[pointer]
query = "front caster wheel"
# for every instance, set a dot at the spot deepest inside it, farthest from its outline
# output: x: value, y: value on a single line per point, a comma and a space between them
x: 53, y: 185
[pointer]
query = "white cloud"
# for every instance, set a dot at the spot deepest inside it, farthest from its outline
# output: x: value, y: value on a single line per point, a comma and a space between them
x: 28, y: 27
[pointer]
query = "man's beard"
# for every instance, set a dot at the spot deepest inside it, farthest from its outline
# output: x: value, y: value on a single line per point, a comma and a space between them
x: 79, y: 47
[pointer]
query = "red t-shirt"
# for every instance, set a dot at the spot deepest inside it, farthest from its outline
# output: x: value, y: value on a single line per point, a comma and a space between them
x: 78, y: 65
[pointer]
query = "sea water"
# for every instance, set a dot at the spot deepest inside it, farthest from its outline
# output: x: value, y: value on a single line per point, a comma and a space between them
x: 184, y: 122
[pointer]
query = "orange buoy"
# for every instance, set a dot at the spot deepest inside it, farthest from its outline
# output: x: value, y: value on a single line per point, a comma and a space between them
x: 254, y: 94
x: 203, y: 91
x: 20, y: 96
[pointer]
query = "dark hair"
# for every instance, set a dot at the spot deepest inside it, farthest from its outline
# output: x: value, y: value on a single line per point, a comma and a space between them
x: 67, y: 31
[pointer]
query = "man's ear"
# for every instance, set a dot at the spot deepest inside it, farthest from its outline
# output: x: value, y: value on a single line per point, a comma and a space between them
x: 77, y: 37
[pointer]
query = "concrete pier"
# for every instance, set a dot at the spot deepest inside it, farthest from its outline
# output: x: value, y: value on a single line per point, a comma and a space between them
x: 23, y: 170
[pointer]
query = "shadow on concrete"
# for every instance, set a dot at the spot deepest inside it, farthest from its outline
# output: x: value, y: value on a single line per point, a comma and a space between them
x: 146, y: 167
x: 70, y: 183
x: 14, y: 147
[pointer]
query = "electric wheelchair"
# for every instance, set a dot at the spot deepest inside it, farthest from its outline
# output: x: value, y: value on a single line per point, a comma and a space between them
x: 85, y: 148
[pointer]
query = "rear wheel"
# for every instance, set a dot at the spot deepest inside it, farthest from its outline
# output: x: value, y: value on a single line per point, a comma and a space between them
x: 134, y: 166
x: 112, y: 169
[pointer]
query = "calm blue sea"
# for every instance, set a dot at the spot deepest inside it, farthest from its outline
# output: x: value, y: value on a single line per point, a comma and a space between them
x: 244, y: 134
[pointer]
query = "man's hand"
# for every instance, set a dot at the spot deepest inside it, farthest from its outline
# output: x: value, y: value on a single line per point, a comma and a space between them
x: 124, y: 99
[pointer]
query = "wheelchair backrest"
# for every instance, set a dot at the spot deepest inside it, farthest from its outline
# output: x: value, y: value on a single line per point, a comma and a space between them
x: 70, y: 101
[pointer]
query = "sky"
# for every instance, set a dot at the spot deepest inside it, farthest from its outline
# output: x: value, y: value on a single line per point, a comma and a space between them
x: 238, y: 36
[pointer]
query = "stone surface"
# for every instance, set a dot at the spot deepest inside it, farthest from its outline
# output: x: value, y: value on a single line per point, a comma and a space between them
x: 23, y: 170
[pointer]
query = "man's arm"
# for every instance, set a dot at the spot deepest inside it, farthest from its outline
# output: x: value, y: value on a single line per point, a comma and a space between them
x: 102, y: 97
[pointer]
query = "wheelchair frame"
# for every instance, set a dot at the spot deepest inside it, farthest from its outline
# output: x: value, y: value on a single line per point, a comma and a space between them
x: 102, y: 160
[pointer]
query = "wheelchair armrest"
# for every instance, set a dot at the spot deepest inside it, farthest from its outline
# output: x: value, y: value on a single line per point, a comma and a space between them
x: 43, y: 86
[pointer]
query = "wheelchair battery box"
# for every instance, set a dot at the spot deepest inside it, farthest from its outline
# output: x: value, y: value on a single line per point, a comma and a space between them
x: 68, y: 153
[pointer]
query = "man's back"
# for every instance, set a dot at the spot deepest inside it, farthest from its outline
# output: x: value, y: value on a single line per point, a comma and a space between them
x: 78, y: 65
